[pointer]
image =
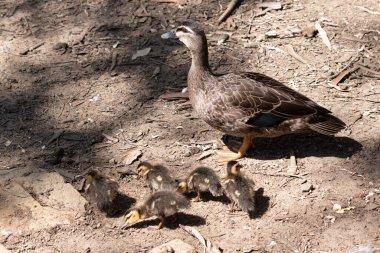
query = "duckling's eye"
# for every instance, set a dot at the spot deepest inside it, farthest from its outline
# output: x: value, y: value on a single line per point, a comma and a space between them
x: 182, y: 29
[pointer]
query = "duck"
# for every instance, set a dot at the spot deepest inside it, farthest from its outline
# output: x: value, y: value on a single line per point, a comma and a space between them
x: 247, y: 105
x: 101, y: 190
x: 161, y: 204
x: 238, y: 188
x: 202, y: 179
x: 157, y: 176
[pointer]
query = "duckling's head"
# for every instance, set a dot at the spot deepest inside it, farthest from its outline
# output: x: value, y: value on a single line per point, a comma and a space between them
x: 182, y: 186
x: 233, y: 167
x: 133, y: 216
x: 143, y: 168
x: 90, y: 179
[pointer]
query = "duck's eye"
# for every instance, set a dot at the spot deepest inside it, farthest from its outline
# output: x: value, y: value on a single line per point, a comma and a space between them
x: 182, y: 29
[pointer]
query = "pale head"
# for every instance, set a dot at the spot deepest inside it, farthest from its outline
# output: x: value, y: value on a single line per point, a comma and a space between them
x: 192, y: 35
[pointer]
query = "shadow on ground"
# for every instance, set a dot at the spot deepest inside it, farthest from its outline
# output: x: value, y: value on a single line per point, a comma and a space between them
x: 303, y: 145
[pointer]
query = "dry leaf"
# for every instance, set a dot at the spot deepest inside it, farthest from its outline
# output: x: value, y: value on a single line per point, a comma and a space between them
x: 140, y: 53
x: 131, y: 155
x: 323, y: 35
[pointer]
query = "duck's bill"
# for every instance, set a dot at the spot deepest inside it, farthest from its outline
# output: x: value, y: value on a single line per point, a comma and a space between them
x: 169, y: 35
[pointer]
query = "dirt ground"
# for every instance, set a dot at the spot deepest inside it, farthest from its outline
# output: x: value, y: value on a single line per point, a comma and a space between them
x: 66, y: 71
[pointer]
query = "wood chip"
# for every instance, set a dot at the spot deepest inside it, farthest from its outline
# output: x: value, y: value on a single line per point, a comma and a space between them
x: 323, y: 35
x: 292, y: 168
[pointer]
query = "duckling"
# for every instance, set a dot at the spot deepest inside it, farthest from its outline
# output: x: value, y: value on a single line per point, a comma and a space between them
x: 157, y: 176
x: 238, y: 188
x: 201, y: 179
x: 160, y: 204
x: 101, y: 190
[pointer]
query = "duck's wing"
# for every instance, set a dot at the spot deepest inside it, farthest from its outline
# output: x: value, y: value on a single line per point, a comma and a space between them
x: 258, y: 100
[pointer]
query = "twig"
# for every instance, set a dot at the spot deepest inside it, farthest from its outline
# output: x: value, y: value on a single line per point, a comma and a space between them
x: 161, y: 62
x: 343, y: 75
x: 367, y: 10
x: 113, y: 60
x: 279, y: 175
x: 230, y: 8
x: 32, y: 48
x: 54, y: 137
x: 209, y: 247
x: 368, y: 69
x: 82, y: 35
x: 349, y: 63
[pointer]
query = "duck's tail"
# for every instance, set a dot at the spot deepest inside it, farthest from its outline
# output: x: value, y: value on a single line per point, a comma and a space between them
x: 326, y: 124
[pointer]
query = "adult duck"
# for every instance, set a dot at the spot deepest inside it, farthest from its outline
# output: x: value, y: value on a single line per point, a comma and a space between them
x: 247, y: 105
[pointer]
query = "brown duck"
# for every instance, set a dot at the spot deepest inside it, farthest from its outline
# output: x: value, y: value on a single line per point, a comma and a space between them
x: 248, y: 105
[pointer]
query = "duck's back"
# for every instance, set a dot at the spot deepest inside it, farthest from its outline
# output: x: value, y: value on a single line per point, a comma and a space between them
x: 255, y: 103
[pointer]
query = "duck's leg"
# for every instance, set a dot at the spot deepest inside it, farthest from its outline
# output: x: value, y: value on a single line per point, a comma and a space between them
x: 230, y: 156
x: 197, y: 198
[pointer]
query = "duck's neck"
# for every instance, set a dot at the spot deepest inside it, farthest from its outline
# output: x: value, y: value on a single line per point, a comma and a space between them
x: 199, y: 58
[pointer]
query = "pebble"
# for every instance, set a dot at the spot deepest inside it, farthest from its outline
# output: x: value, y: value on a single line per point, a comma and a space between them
x: 306, y: 187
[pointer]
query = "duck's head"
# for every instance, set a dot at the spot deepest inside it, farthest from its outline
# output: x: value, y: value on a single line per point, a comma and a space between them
x: 191, y: 34
x: 233, y: 167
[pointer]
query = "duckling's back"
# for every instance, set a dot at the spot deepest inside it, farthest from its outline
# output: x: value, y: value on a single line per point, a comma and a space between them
x: 241, y: 191
x: 166, y: 203
x: 204, y: 179
x: 159, y: 178
x: 103, y: 191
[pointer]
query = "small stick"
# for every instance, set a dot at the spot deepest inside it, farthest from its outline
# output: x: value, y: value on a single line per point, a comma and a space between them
x: 279, y: 175
x: 113, y: 60
x: 32, y: 48
x: 349, y: 63
x: 343, y: 75
x: 230, y: 8
x: 367, y: 10
x: 368, y: 69
x: 54, y: 137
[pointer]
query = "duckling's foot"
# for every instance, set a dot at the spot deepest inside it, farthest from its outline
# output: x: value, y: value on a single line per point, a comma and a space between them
x: 161, y: 225
x: 197, y: 198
